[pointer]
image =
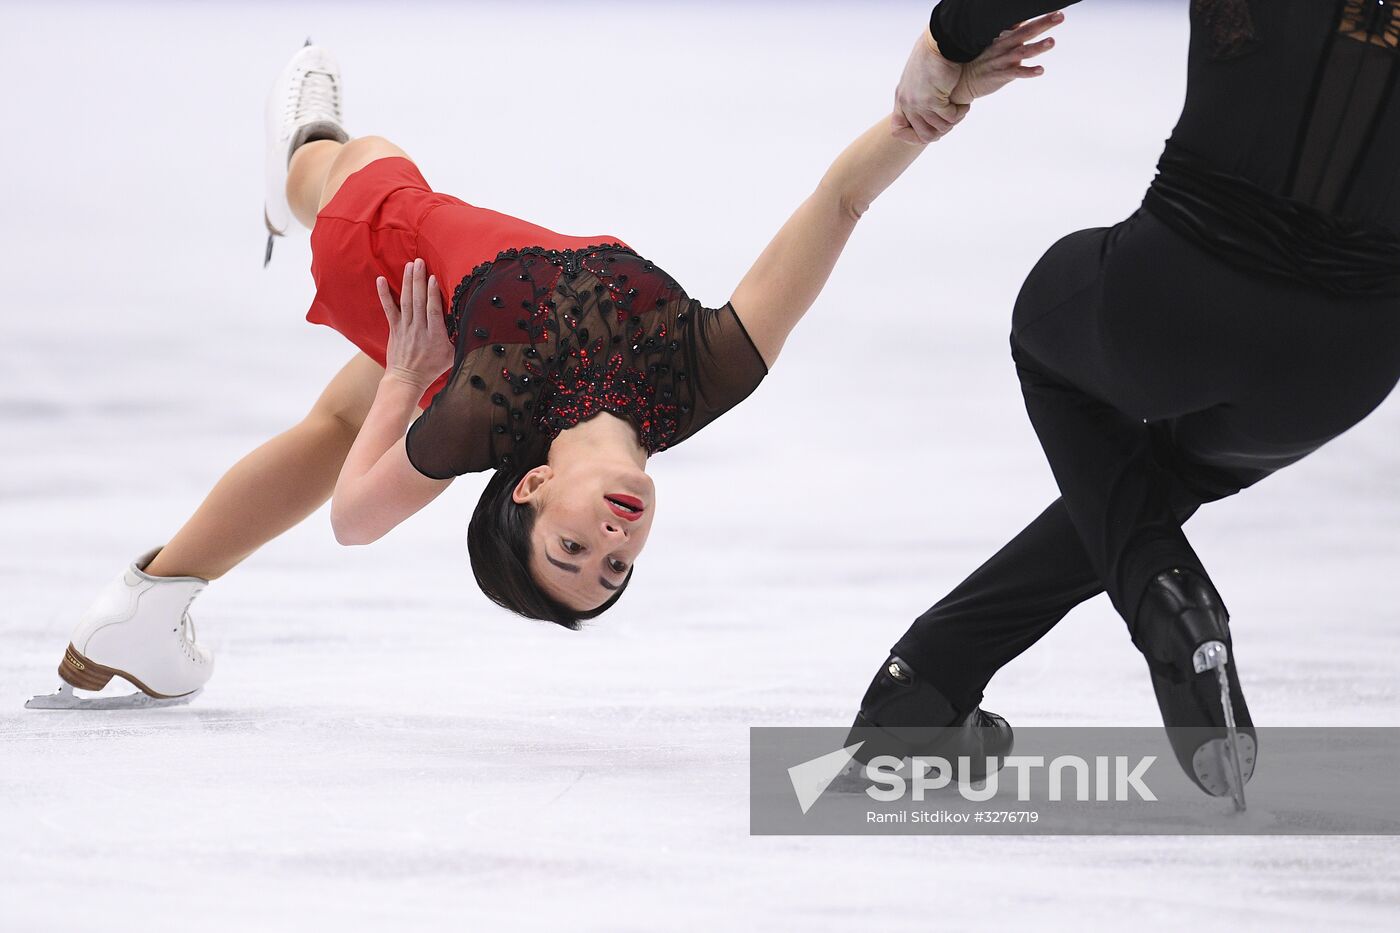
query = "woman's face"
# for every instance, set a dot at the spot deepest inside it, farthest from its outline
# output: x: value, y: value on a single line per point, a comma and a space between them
x: 591, y: 522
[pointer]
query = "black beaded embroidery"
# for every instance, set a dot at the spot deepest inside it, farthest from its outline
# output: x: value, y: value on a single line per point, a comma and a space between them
x: 547, y: 339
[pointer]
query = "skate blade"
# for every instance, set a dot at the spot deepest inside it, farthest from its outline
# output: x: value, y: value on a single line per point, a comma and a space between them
x: 65, y: 698
x: 272, y: 234
x: 1229, y: 762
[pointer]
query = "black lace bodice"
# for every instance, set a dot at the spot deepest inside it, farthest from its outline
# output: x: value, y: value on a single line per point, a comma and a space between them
x: 549, y: 338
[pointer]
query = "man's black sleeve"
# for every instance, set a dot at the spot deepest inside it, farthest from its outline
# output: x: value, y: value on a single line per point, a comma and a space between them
x: 964, y: 28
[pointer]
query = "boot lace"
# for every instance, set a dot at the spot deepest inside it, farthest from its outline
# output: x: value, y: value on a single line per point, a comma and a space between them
x: 315, y: 97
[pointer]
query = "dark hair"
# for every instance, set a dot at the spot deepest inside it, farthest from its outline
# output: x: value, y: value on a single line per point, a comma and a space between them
x: 498, y: 543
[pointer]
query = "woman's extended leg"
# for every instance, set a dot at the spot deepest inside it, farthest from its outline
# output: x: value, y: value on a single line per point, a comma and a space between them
x: 292, y: 475
x: 277, y: 485
x: 138, y: 628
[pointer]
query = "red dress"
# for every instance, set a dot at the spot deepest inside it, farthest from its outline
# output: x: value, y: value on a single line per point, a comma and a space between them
x: 385, y: 216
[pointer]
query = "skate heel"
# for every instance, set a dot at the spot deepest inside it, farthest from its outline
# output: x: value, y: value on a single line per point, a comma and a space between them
x: 79, y: 672
x: 1195, y: 631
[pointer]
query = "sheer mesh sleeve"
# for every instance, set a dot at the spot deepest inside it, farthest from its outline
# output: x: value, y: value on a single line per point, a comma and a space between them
x: 721, y: 364
x: 475, y: 423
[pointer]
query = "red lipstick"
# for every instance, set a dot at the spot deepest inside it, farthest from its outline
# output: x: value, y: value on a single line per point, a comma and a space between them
x: 627, y: 508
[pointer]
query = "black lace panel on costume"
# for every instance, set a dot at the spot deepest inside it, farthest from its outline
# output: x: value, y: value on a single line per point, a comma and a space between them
x: 549, y: 338
x: 1351, y: 91
x: 1229, y: 27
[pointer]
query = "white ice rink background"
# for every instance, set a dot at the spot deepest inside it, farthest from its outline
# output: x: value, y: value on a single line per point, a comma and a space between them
x: 380, y: 749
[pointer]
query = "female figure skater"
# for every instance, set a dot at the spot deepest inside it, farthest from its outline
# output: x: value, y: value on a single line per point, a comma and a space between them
x: 1243, y: 317
x: 563, y: 363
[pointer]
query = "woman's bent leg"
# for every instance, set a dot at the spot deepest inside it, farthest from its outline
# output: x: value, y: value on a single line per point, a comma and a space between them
x: 319, y: 168
x: 277, y: 485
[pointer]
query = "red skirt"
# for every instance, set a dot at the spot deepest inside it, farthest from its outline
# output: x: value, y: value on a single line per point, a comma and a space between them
x: 385, y: 216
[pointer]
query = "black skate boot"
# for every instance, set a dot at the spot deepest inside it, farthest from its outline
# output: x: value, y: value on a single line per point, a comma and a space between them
x: 903, y: 716
x: 1183, y: 631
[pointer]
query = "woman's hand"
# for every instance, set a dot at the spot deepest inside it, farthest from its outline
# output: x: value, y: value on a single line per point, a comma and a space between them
x: 1000, y: 63
x: 378, y: 487
x: 419, y: 350
x: 922, y: 110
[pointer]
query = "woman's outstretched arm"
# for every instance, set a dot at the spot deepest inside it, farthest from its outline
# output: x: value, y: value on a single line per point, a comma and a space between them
x: 791, y: 272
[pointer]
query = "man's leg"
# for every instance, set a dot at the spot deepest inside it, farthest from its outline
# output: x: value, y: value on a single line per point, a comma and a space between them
x: 1075, y: 548
x: 275, y: 486
x: 943, y: 663
x: 937, y: 672
x: 1002, y: 609
x: 1116, y: 493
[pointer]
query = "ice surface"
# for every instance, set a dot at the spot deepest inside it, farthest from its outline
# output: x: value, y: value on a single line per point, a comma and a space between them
x: 380, y: 749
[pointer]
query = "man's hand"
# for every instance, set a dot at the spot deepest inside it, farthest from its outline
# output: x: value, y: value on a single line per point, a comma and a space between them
x: 1000, y: 63
x: 923, y: 111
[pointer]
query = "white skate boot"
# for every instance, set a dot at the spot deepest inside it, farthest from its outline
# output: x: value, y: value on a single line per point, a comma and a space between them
x: 304, y: 104
x: 138, y: 629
